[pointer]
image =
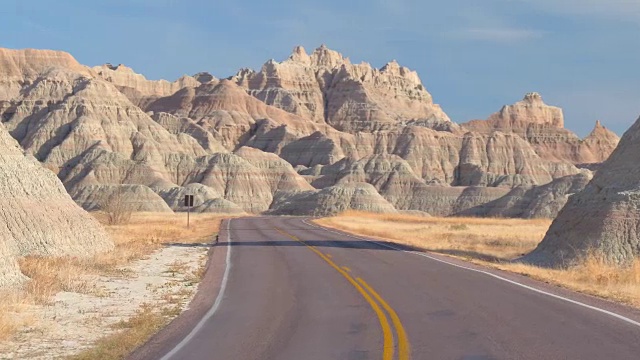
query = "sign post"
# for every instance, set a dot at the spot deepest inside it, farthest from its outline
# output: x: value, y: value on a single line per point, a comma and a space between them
x: 188, y: 202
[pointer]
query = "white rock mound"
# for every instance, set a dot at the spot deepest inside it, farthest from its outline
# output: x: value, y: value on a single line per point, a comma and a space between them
x: 331, y: 201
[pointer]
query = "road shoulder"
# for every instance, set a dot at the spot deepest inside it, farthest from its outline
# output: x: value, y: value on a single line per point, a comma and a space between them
x: 170, y: 336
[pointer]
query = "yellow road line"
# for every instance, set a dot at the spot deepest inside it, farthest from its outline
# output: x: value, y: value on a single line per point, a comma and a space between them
x: 403, y: 342
x: 346, y: 269
x: 387, y: 334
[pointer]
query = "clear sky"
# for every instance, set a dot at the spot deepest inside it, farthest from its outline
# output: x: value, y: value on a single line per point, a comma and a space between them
x: 473, y: 55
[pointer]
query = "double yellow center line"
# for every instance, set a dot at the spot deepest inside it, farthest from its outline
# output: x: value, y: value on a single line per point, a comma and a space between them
x: 373, y: 298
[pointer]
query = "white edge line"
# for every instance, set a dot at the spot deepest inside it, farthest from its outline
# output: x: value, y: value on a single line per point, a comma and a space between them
x: 594, y: 308
x: 215, y: 306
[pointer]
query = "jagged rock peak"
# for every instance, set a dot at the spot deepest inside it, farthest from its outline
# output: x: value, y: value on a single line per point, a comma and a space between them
x: 600, y: 129
x: 121, y: 68
x: 395, y: 69
x: 391, y: 66
x: 300, y: 55
x: 321, y: 57
x: 112, y: 67
x: 533, y: 98
x: 602, y: 135
x: 530, y: 110
x: 204, y: 77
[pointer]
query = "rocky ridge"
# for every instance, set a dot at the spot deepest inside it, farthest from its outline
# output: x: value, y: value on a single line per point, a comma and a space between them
x: 235, y: 142
x: 543, y: 127
x: 327, y: 88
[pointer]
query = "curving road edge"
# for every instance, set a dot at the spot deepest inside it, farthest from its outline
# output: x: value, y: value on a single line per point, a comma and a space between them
x: 205, y: 303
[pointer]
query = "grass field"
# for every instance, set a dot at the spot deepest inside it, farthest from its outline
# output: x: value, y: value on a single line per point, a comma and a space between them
x: 494, y: 242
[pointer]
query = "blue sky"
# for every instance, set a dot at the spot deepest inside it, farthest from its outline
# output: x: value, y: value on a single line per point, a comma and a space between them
x: 473, y: 55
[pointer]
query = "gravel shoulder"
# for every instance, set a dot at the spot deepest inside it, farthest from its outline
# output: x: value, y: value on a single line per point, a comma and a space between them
x: 72, y: 321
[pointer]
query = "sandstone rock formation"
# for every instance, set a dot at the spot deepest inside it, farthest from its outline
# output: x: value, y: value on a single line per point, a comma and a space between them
x: 604, y: 217
x: 93, y: 136
x: 598, y: 145
x: 330, y: 201
x: 326, y: 87
x: 234, y: 142
x: 134, y: 197
x: 206, y: 199
x: 518, y: 117
x: 543, y: 127
x: 142, y: 91
x: 543, y: 201
x: 37, y: 216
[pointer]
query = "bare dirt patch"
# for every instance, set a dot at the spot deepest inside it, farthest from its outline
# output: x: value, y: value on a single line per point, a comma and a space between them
x: 105, y: 306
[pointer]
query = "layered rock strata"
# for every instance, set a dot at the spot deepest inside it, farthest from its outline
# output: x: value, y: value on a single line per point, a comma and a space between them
x: 604, y: 218
x: 37, y: 216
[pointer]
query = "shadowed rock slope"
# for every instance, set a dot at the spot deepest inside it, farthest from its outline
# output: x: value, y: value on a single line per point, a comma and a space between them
x: 604, y: 218
x: 37, y: 216
x: 544, y: 201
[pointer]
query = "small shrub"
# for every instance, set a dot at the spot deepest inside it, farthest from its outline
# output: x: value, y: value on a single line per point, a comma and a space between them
x: 459, y: 227
x: 117, y: 208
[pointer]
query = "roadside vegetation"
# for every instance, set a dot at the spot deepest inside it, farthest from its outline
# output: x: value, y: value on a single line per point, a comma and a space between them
x: 493, y: 242
x: 142, y: 235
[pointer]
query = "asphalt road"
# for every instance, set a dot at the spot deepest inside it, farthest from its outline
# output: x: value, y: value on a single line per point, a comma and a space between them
x: 294, y: 291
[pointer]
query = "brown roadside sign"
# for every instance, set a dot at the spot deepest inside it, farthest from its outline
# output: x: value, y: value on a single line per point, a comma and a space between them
x: 188, y: 200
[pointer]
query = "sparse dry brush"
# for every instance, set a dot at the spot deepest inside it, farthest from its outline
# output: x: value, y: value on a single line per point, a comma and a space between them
x: 494, y: 242
x: 132, y: 332
x: 592, y: 276
x: 116, y: 207
x: 8, y: 324
x: 141, y: 236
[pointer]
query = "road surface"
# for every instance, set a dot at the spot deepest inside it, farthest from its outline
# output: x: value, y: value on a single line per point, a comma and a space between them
x: 295, y: 291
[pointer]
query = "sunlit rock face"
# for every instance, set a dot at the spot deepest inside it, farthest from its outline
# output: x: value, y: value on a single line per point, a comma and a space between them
x: 327, y: 87
x: 543, y: 127
x: 235, y: 142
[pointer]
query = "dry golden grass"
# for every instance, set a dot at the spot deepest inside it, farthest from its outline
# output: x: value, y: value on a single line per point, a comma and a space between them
x: 489, y: 239
x: 8, y: 324
x: 144, y: 234
x: 494, y: 242
x: 592, y: 276
x: 147, y: 232
x: 133, y: 332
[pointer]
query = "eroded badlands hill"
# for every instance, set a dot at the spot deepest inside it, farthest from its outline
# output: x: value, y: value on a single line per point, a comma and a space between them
x: 37, y: 216
x: 603, y: 219
x: 543, y: 127
x: 311, y: 129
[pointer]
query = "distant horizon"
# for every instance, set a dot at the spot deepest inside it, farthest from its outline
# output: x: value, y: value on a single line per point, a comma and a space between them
x: 473, y: 58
